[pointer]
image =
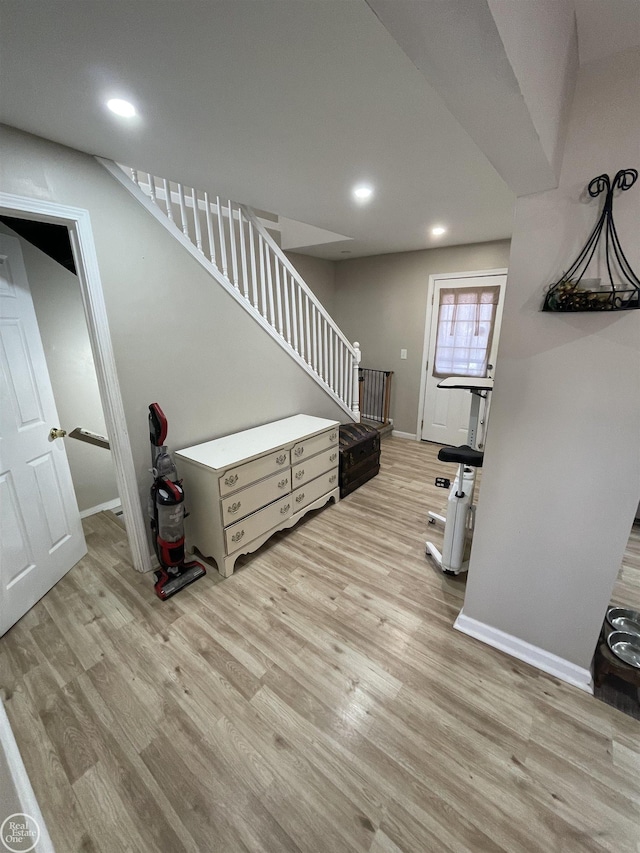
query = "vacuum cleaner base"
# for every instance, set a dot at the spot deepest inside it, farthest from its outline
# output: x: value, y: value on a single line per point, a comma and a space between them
x: 170, y: 581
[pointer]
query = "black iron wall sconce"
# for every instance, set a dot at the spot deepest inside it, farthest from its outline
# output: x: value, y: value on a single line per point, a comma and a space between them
x: 571, y: 292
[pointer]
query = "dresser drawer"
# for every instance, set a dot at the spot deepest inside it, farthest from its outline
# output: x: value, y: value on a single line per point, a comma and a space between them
x: 250, y: 472
x: 310, y: 492
x: 243, y: 503
x: 312, y: 468
x: 249, y: 528
x: 304, y: 449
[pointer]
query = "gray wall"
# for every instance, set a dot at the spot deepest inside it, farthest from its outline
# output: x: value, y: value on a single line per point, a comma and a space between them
x: 320, y: 275
x: 561, y: 479
x: 381, y: 302
x: 178, y: 338
x: 58, y: 304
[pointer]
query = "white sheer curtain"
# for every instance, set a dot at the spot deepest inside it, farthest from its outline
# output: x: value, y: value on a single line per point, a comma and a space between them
x: 466, y: 319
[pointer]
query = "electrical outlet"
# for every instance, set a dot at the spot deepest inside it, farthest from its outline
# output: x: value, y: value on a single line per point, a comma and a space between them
x: 403, y: 353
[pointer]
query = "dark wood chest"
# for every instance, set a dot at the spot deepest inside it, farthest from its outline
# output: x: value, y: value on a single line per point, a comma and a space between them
x: 359, y: 456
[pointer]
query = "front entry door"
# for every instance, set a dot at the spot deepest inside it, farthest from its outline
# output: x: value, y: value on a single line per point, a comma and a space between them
x: 42, y: 535
x: 463, y: 341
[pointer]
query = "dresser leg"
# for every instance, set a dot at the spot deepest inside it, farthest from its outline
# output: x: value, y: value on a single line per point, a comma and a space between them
x: 226, y: 565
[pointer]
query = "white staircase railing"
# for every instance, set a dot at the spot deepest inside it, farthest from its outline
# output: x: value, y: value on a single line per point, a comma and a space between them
x: 231, y: 242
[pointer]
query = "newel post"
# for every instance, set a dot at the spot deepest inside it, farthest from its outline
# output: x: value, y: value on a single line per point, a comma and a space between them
x: 355, y: 408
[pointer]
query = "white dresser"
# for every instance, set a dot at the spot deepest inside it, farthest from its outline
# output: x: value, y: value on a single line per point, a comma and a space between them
x: 242, y: 488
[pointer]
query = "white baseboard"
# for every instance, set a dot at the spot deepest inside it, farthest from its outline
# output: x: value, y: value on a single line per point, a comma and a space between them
x: 560, y: 668
x: 396, y: 433
x: 100, y: 508
x: 18, y: 785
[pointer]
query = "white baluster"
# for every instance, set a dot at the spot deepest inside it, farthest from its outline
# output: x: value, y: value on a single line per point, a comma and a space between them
x: 167, y: 199
x: 278, y: 295
x: 183, y: 211
x: 341, y: 368
x: 263, y: 282
x: 356, y: 384
x: 152, y: 188
x: 134, y: 177
x: 325, y: 366
x: 196, y: 219
x: 272, y: 312
x: 232, y: 241
x: 315, y: 338
x: 331, y: 360
x: 308, y: 328
x: 296, y: 321
x: 212, y: 242
x: 286, y: 305
x: 254, y: 275
x: 223, y: 242
x: 243, y: 256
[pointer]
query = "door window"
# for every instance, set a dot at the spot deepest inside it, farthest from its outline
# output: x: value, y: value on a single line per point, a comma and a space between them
x: 466, y: 320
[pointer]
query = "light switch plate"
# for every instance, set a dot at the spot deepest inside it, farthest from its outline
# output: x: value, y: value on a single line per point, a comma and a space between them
x: 403, y: 353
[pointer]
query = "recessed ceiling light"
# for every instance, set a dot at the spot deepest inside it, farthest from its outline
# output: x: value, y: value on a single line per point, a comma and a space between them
x: 438, y: 230
x: 121, y: 108
x: 362, y: 192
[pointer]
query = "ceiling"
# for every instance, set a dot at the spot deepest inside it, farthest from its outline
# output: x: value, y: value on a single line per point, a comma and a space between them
x: 280, y: 104
x: 606, y: 27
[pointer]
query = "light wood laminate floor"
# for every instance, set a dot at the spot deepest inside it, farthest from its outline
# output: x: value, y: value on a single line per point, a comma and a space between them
x: 318, y: 700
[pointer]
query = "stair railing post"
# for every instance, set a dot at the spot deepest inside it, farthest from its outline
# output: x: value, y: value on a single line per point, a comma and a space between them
x: 183, y: 212
x: 387, y: 396
x: 167, y: 199
x: 196, y: 218
x: 356, y: 384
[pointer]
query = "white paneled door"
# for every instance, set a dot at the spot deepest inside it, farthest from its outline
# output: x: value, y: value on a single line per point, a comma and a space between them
x: 463, y: 341
x: 42, y: 534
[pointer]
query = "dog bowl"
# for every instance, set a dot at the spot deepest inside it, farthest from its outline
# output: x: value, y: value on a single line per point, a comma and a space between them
x: 622, y: 619
x: 625, y: 646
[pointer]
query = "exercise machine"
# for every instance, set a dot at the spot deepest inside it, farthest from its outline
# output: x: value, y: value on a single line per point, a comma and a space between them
x: 460, y: 518
x: 166, y: 511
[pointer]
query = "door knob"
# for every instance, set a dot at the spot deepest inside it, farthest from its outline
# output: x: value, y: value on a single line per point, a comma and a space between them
x: 56, y: 432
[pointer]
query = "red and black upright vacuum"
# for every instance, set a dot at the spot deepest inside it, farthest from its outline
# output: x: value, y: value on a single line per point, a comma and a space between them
x: 166, y: 510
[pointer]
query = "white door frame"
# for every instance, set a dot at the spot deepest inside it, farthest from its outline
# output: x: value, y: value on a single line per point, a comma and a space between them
x: 433, y: 280
x: 78, y: 222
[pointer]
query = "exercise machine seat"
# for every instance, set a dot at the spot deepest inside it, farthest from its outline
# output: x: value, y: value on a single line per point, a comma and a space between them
x: 464, y: 455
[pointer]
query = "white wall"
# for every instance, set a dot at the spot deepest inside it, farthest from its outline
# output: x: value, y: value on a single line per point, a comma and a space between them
x: 562, y: 466
x: 178, y: 338
x: 381, y: 301
x: 541, y: 44
x: 63, y: 329
x: 320, y: 275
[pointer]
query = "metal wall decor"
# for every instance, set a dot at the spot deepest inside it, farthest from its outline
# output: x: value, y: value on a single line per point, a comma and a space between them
x: 568, y: 294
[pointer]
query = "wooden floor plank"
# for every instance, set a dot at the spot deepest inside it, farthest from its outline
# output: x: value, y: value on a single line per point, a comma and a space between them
x: 318, y: 700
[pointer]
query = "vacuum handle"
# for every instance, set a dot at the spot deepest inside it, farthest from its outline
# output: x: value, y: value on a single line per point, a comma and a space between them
x: 157, y: 425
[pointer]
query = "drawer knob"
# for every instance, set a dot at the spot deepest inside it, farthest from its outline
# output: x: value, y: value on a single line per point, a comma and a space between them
x: 280, y: 460
x: 299, y: 474
x: 300, y: 498
x: 333, y: 457
x: 284, y: 509
x: 333, y: 436
x: 299, y: 451
x: 229, y: 481
x: 234, y: 507
x: 332, y: 478
x: 237, y: 536
x: 283, y: 483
